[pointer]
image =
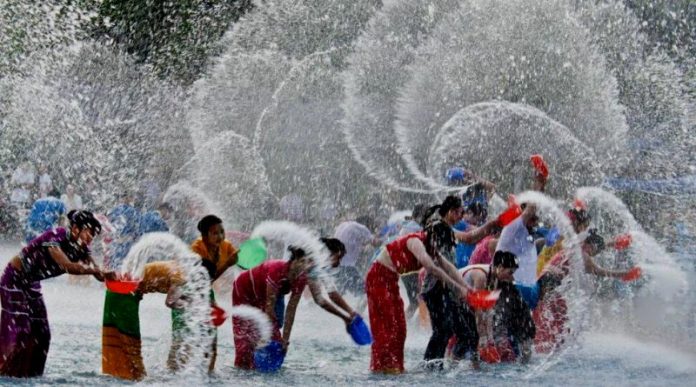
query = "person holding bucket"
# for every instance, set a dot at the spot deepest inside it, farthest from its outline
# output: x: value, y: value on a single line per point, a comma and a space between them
x: 261, y: 287
x: 24, y: 332
x: 406, y: 254
x: 508, y: 330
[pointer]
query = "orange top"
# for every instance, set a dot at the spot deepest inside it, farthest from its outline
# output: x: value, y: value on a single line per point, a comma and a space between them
x: 227, y: 253
x: 160, y: 276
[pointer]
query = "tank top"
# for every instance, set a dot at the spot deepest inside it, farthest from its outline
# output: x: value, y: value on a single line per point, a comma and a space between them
x: 403, y: 259
x: 468, y: 269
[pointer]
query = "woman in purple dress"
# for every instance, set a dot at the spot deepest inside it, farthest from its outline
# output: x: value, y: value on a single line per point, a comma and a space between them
x: 24, y: 332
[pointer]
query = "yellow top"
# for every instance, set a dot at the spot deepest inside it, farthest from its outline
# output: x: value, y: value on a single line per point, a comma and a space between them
x: 547, y: 253
x: 227, y: 256
x: 160, y: 276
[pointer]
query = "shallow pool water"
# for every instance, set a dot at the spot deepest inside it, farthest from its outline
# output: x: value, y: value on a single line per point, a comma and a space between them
x: 322, y: 353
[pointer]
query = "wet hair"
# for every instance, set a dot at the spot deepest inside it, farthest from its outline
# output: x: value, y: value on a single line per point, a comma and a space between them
x: 334, y: 245
x: 448, y: 204
x: 84, y: 219
x: 595, y: 240
x: 428, y: 215
x: 505, y: 259
x: 418, y: 211
x: 207, y: 222
x: 296, y: 252
x: 209, y: 266
x: 478, y: 209
x: 439, y: 235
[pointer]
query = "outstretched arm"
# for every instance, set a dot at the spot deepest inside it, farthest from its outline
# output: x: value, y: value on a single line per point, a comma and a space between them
x: 448, y: 273
x: 290, y: 318
x: 591, y: 267
x: 473, y: 236
x: 319, y: 299
x: 77, y: 268
x: 337, y: 299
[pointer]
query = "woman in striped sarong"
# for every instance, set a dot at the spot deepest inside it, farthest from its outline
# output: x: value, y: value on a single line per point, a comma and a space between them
x: 24, y: 332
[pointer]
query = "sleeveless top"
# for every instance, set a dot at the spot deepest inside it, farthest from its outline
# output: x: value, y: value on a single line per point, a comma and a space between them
x: 403, y: 259
x: 468, y: 269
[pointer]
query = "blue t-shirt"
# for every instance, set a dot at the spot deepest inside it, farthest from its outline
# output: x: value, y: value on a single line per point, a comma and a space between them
x: 463, y: 250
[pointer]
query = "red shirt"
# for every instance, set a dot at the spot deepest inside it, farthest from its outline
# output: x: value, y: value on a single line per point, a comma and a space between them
x: 403, y: 259
x: 251, y: 286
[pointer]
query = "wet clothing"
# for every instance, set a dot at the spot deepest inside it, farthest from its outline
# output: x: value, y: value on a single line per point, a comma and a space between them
x: 449, y: 317
x: 512, y: 320
x: 481, y: 254
x: 24, y: 332
x: 354, y: 237
x: 551, y: 314
x: 250, y: 288
x: 121, y: 345
x: 37, y: 264
x: 402, y: 258
x: 463, y: 250
x: 226, y: 254
x: 387, y: 319
x: 516, y: 239
x: 547, y: 253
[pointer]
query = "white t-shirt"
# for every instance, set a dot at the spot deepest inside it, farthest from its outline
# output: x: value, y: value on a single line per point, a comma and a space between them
x: 516, y: 239
x: 355, y: 237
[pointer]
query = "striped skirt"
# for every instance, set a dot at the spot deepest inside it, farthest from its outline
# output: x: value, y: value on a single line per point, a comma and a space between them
x: 24, y: 332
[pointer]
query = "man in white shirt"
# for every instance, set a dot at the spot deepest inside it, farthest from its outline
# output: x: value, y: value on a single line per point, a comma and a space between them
x: 517, y: 238
x: 355, y: 236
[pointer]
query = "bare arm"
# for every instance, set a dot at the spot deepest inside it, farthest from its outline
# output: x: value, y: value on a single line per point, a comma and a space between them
x: 319, y: 299
x: 175, y: 298
x: 473, y: 236
x: 230, y: 262
x: 591, y: 267
x: 484, y: 325
x: 271, y: 299
x: 77, y: 268
x: 337, y: 299
x: 290, y: 317
x: 447, y: 274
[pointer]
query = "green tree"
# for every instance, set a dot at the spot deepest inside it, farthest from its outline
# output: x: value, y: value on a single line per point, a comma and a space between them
x: 177, y: 37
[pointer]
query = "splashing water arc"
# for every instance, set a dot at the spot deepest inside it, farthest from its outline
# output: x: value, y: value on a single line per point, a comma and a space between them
x: 322, y: 111
x: 507, y: 134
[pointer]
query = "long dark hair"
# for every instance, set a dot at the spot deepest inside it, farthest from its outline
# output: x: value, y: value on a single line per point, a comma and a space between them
x: 439, y: 237
x: 84, y: 219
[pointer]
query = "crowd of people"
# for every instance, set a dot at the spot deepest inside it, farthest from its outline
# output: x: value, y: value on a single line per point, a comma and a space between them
x: 443, y: 254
